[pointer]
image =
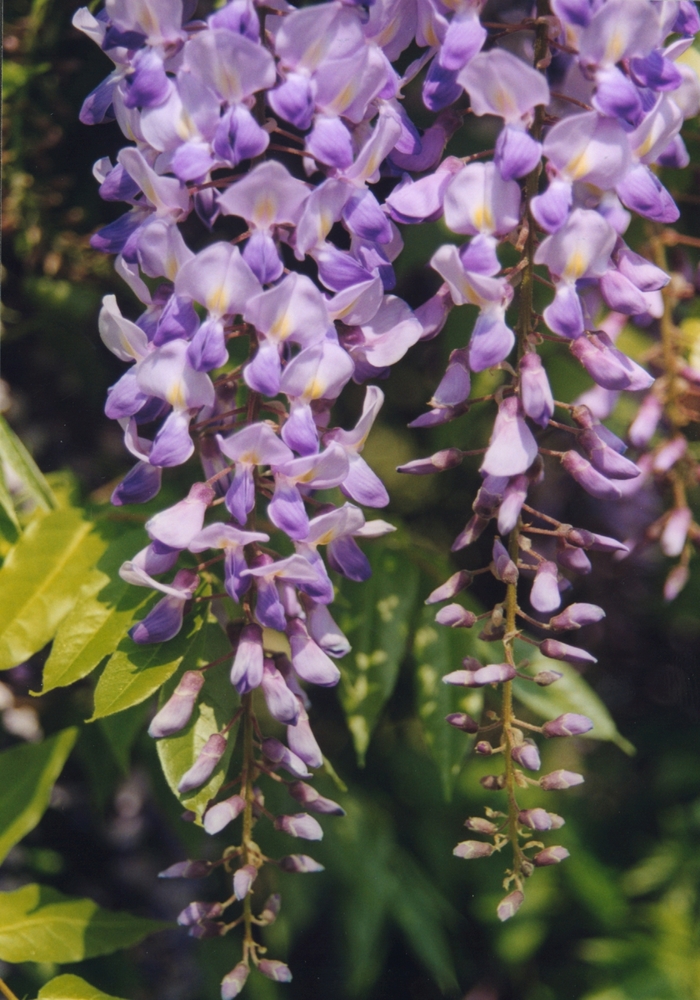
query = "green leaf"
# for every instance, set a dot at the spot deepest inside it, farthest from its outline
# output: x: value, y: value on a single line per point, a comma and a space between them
x: 101, y: 618
x: 216, y: 704
x: 15, y: 455
x: 27, y: 775
x: 9, y: 522
x: 376, y: 619
x: 439, y: 650
x: 41, y: 579
x: 135, y: 672
x: 569, y: 694
x: 72, y: 988
x: 121, y: 731
x: 39, y: 924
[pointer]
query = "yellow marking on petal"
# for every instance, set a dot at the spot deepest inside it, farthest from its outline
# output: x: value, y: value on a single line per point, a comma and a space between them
x: 483, y: 219
x: 578, y: 166
x: 325, y: 539
x: 346, y: 96
x: 576, y: 266
x: 176, y: 395
x: 228, y: 81
x: 265, y: 211
x: 185, y: 127
x: 217, y: 300
x: 615, y: 47
x: 249, y: 458
x: 306, y: 478
x: 503, y: 103
x: 646, y: 145
x: 316, y: 389
x: 282, y: 327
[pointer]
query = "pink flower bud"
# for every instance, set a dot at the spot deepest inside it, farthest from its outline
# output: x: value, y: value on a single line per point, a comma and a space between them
x: 560, y: 780
x: 300, y: 863
x: 527, y: 754
x: 644, y: 425
x: 493, y: 673
x: 234, y: 981
x: 220, y: 815
x: 470, y: 849
x: 187, y: 869
x: 197, y: 911
x: 271, y: 909
x: 675, y: 582
x: 474, y: 528
x: 535, y: 819
x: 448, y: 458
x: 480, y: 825
x: 460, y: 720
x: 569, y: 724
x: 202, y: 769
x: 247, y: 668
x: 277, y: 971
x: 557, y: 822
x: 457, y: 582
x: 243, y: 880
x: 592, y: 481
x: 492, y: 782
x: 669, y: 453
x: 510, y: 905
x: 555, y: 650
x: 550, y: 856
x: 546, y: 677
x: 309, y: 797
x: 545, y: 595
x: 503, y: 566
x: 455, y: 616
x: 576, y: 616
x: 176, y: 712
x: 513, y: 500
x: 536, y: 395
x: 676, y: 531
x: 300, y: 825
x: 279, y: 754
x: 483, y: 748
x: 580, y: 537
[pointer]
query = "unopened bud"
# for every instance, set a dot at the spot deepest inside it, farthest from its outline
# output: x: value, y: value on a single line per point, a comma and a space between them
x: 535, y: 819
x: 220, y: 815
x: 202, y: 769
x: 207, y: 929
x: 493, y: 673
x: 555, y: 650
x: 480, y: 825
x: 580, y: 538
x: 234, y: 981
x: 546, y: 677
x: 576, y: 616
x: 271, y: 909
x: 309, y: 797
x: 550, y: 856
x: 243, y: 880
x: 557, y: 822
x: 510, y: 905
x: 504, y: 568
x: 455, y: 616
x: 457, y: 582
x: 676, y: 581
x: 187, y: 869
x: 483, y: 748
x: 527, y: 754
x: 492, y: 782
x: 569, y: 724
x: 300, y: 825
x: 197, y: 911
x: 300, y: 863
x: 470, y: 849
x: 177, y: 710
x: 560, y: 780
x: 474, y: 528
x: 448, y: 458
x: 277, y: 971
x: 460, y: 720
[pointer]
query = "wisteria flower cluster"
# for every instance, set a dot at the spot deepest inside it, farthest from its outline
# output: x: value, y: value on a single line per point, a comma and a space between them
x: 261, y: 133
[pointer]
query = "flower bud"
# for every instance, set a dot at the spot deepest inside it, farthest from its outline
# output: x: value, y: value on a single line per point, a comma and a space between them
x: 669, y: 453
x: 557, y: 822
x: 455, y: 616
x: 202, y: 769
x: 504, y: 568
x: 448, y: 458
x: 492, y: 782
x: 557, y: 781
x: 300, y: 863
x: 220, y: 815
x: 576, y: 616
x: 573, y: 558
x: 271, y: 909
x: 489, y: 496
x: 460, y: 720
x: 247, y: 668
x: 243, y: 880
x: 470, y: 849
x: 197, y: 911
x: 555, y: 650
x: 309, y: 797
x: 535, y: 819
x: 234, y: 981
x: 545, y: 596
x: 675, y: 582
x: 300, y: 825
x: 277, y: 971
x: 510, y: 905
x: 644, y: 425
x: 513, y: 500
x: 279, y: 754
x: 474, y: 528
x: 536, y: 394
x: 483, y: 748
x: 207, y: 929
x: 457, y: 582
x: 676, y: 531
x: 569, y: 724
x: 480, y: 825
x: 546, y: 677
x: 550, y: 856
x: 580, y: 537
x: 527, y: 754
x: 493, y: 673
x: 592, y: 481
x: 187, y: 869
x: 176, y: 712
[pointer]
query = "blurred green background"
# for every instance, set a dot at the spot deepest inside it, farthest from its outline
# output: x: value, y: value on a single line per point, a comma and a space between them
x: 395, y: 916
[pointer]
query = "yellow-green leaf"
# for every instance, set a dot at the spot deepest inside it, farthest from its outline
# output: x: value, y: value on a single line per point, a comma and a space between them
x: 72, y: 988
x: 216, y: 704
x: 134, y: 672
x: 105, y: 611
x: 15, y: 455
x: 39, y: 924
x: 376, y: 619
x: 27, y: 775
x: 41, y: 580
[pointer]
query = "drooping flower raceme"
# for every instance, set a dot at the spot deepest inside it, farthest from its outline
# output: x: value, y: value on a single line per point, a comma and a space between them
x: 287, y: 293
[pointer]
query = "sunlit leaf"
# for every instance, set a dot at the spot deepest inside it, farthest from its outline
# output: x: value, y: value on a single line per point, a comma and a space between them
x: 376, y: 617
x: 105, y: 611
x: 134, y: 672
x: 39, y: 924
x: 41, y: 579
x: 27, y: 775
x: 10, y: 528
x: 72, y: 988
x: 437, y: 651
x: 216, y: 703
x: 15, y: 455
x: 569, y: 694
